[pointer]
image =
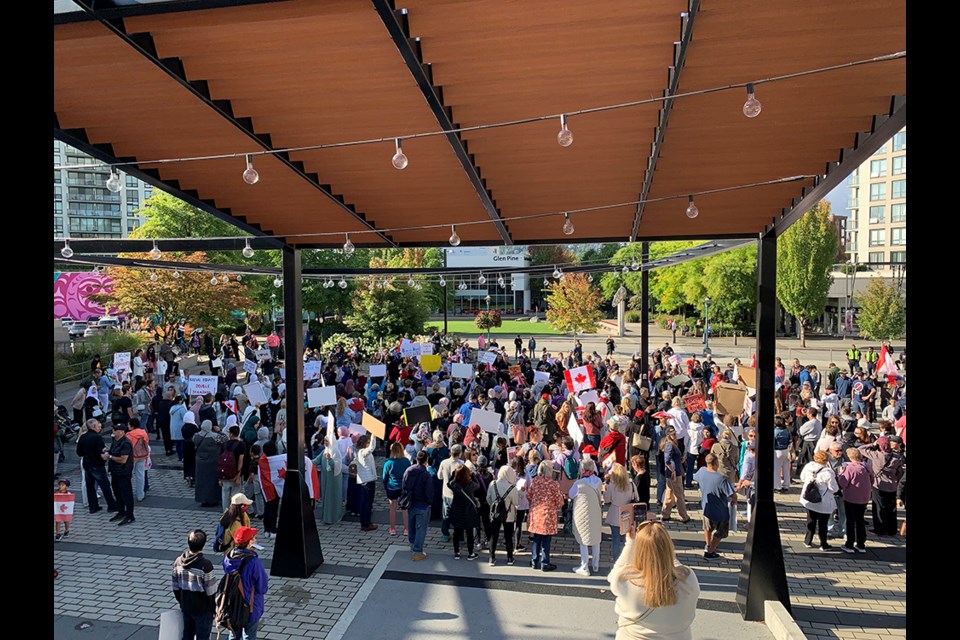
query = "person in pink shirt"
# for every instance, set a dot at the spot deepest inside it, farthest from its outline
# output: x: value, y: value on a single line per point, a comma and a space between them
x: 901, y: 427
x: 273, y: 342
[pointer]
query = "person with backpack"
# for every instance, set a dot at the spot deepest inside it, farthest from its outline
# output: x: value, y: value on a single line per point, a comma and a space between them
x: 545, y: 417
x: 817, y: 497
x: 230, y: 467
x: 234, y: 517
x: 194, y: 587
x: 567, y: 470
x: 241, y: 590
x: 141, y: 453
x: 464, y: 510
x: 503, y: 500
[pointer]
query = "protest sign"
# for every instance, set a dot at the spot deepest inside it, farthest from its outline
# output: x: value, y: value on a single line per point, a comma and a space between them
x: 430, y: 363
x: 460, y: 370
x: 541, y: 376
x: 512, y: 453
x: 748, y: 375
x: 121, y: 363
x: 416, y: 415
x: 263, y: 355
x: 250, y: 366
x: 573, y: 428
x: 254, y: 393
x: 678, y: 380
x: 216, y: 363
x: 378, y: 370
x: 730, y: 398
x: 374, y: 426
x: 202, y: 385
x: 426, y: 348
x: 587, y: 397
x: 489, y: 421
x: 357, y: 429
x: 409, y: 349
x: 695, y: 402
x: 321, y: 396
x: 514, y: 371
x: 311, y: 370
x: 486, y: 357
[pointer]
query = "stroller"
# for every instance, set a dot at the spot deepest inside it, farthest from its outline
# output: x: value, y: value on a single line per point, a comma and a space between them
x: 65, y: 428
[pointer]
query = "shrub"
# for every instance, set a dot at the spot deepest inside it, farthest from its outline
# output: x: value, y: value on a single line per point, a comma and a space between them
x: 488, y: 319
x: 633, y: 316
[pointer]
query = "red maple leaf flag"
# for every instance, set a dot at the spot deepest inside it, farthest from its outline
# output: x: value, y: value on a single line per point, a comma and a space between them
x: 580, y: 379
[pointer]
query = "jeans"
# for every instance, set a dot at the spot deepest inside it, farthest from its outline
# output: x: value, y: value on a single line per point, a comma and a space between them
x: 419, y: 517
x: 178, y: 445
x: 346, y: 485
x: 518, y: 525
x: 227, y: 491
x: 197, y: 625
x: 841, y: 519
x: 458, y: 536
x: 617, y: 542
x: 541, y: 549
x: 270, y: 511
x: 139, y: 475
x: 816, y: 522
x: 495, y: 536
x: 595, y: 441
x: 661, y: 487
x: 123, y: 491
x: 367, y: 492
x: 445, y: 522
x: 691, y: 469
x: 97, y: 476
x: 248, y: 632
x: 856, y: 526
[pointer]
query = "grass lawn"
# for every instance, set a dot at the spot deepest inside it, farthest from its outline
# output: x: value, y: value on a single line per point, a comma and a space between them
x: 510, y: 327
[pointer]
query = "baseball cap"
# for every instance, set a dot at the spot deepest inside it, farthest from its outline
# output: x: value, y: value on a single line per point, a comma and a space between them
x: 239, y: 498
x: 244, y: 534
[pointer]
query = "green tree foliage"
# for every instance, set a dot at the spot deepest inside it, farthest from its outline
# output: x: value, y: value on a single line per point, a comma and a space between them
x: 387, y: 312
x: 805, y: 253
x: 883, y: 313
x: 573, y: 305
x: 730, y: 280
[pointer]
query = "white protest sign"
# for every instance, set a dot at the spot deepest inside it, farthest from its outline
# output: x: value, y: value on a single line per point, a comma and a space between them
x: 263, y: 355
x: 121, y: 362
x: 311, y: 370
x: 587, y: 397
x: 250, y: 366
x: 460, y: 370
x: 321, y: 396
x: 216, y: 363
x: 409, y: 349
x: 202, y: 385
x: 378, y: 370
x: 254, y: 393
x: 541, y: 376
x: 486, y: 357
x: 357, y: 429
x: 489, y: 421
x: 573, y: 428
x: 426, y: 348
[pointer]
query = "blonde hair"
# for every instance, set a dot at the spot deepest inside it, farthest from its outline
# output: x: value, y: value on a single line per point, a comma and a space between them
x: 820, y: 456
x: 341, y: 406
x: 653, y: 567
x: 396, y: 450
x: 618, y: 474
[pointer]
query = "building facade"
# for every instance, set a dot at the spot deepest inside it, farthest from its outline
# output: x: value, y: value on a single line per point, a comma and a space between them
x: 877, y: 224
x: 83, y: 207
x: 512, y: 297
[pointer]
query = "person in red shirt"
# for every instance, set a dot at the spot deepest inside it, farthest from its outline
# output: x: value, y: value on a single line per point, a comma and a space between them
x: 400, y: 432
x: 901, y: 428
x: 615, y: 442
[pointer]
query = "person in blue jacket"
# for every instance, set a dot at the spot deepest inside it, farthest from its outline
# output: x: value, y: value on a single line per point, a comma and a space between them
x: 243, y: 558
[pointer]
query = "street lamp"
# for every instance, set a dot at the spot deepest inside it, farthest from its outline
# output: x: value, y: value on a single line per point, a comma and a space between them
x: 273, y: 311
x: 706, y: 326
x: 320, y: 322
x: 488, y: 316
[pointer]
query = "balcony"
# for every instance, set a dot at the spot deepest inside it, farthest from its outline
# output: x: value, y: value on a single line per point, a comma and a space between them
x: 86, y: 182
x: 853, y: 203
x: 105, y: 197
x: 75, y: 213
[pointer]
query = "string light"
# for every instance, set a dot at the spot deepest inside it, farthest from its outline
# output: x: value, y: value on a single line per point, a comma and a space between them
x: 176, y: 275
x: 247, y: 250
x: 482, y: 279
x: 225, y: 278
x: 443, y: 281
x: 692, y: 211
x: 239, y: 277
x: 462, y: 286
x: 635, y: 265
x: 153, y: 276
x: 343, y: 283
x: 214, y: 280
x: 66, y: 252
x: 454, y: 238
x: 567, y: 225
x: 399, y: 158
x: 155, y: 253
x: 250, y: 175
x: 113, y: 182
x: 556, y: 271
x: 752, y: 107
x: 348, y: 247
x: 626, y: 269
x: 565, y: 137
x: 410, y: 281
x: 277, y: 282
x: 500, y: 281
x: 590, y: 278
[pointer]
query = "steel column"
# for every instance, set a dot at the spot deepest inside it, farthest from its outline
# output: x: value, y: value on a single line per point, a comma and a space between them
x: 297, y: 553
x: 645, y: 311
x: 763, y: 575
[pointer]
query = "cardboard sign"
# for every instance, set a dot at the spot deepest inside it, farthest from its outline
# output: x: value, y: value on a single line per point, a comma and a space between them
x: 250, y: 366
x: 512, y: 453
x: 678, y: 380
x: 357, y: 429
x: 430, y: 363
x: 695, y: 402
x: 541, y: 376
x: 202, y: 385
x: 254, y: 393
x: 514, y: 371
x: 674, y: 359
x: 573, y: 428
x: 311, y: 370
x: 460, y: 370
x: 489, y: 421
x: 426, y: 348
x: 730, y: 398
x: 418, y: 414
x: 748, y: 375
x: 263, y: 355
x: 216, y: 363
x: 587, y: 397
x: 409, y: 349
x: 374, y: 426
x: 378, y: 371
x: 321, y: 396
x: 486, y: 357
x: 121, y: 362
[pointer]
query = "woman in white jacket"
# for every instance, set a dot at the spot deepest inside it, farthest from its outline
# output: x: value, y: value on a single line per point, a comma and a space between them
x: 587, y: 517
x: 824, y: 479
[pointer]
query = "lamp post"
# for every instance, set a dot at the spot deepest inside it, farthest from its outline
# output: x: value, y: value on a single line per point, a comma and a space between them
x: 320, y: 322
x: 706, y: 326
x: 488, y: 316
x: 273, y: 310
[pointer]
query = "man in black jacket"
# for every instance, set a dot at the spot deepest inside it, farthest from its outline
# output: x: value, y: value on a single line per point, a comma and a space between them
x: 90, y: 449
x: 120, y: 460
x: 194, y: 587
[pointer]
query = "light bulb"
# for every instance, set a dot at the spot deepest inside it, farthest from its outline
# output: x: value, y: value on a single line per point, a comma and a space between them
x: 501, y: 282
x: 752, y: 107
x: 248, y: 250
x: 66, y: 252
x: 482, y: 279
x: 155, y: 252
x: 399, y: 158
x: 556, y: 272
x: 410, y: 281
x: 692, y: 211
x: 462, y: 286
x: 454, y: 238
x: 567, y: 225
x: 443, y: 281
x: 348, y: 247
x: 590, y: 278
x: 635, y: 265
x: 343, y: 283
x: 225, y: 278
x: 239, y: 277
x: 626, y: 269
x: 277, y: 282
x: 565, y: 137
x: 546, y: 282
x: 250, y: 175
x: 153, y: 276
x: 113, y: 182
x: 562, y: 275
x: 418, y: 286
x: 214, y: 280
x: 176, y: 274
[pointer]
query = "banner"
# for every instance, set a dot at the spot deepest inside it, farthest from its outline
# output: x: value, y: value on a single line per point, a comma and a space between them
x: 202, y: 385
x: 121, y: 363
x: 321, y: 396
x: 460, y: 370
x: 580, y: 379
x: 541, y: 376
x: 250, y: 366
x: 426, y: 348
x: 263, y: 355
x: 378, y: 371
x: 674, y: 359
x: 695, y: 402
x: 409, y: 349
x: 417, y: 415
x: 311, y: 370
x: 588, y: 396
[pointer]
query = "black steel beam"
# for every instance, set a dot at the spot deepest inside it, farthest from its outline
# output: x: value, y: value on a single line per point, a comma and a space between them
x: 864, y: 145
x: 112, y: 9
x: 297, y: 553
x: 396, y: 24
x: 645, y: 311
x: 130, y: 245
x: 673, y: 82
x: 763, y: 575
x: 143, y: 44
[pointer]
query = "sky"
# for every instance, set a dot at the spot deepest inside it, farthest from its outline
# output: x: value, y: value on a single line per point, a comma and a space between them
x: 838, y: 199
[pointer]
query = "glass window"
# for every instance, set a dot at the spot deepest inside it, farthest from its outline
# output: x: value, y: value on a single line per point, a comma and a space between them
x: 898, y: 213
x: 56, y: 176
x: 94, y: 225
x: 878, y: 237
x: 877, y: 214
x: 147, y: 192
x: 900, y: 141
x: 878, y: 191
x: 132, y: 224
x: 57, y: 226
x: 898, y: 256
x: 131, y: 181
x: 882, y: 149
x: 899, y: 165
x: 878, y: 168
x: 92, y: 194
x: 132, y: 209
x: 898, y: 236
x: 58, y: 206
x: 899, y: 188
x: 875, y: 257
x: 133, y: 196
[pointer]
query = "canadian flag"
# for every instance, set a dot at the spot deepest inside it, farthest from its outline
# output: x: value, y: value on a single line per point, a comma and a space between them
x: 273, y: 473
x: 580, y: 379
x: 885, y: 365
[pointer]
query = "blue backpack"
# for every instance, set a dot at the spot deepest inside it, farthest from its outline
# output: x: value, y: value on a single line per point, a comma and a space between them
x: 571, y: 468
x: 218, y: 545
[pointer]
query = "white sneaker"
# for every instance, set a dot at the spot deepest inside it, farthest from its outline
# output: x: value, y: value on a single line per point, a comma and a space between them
x: 582, y: 571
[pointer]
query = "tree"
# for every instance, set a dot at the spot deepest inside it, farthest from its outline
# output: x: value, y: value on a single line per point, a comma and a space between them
x: 573, y: 305
x: 387, y: 312
x: 805, y: 254
x: 546, y: 255
x: 170, y: 217
x: 730, y: 280
x: 883, y: 314
x: 189, y: 297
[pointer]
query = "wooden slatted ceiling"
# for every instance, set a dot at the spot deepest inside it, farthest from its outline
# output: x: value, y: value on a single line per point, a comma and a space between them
x: 294, y: 68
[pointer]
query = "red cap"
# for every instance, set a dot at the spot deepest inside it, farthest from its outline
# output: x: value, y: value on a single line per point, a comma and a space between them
x: 638, y: 414
x: 589, y: 450
x: 545, y: 396
x: 244, y: 534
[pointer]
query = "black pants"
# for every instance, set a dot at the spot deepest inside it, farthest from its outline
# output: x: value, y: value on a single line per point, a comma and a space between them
x: 495, y: 526
x: 807, y: 448
x: 270, y: 510
x: 884, y: 512
x: 78, y: 416
x: 98, y: 476
x: 164, y: 429
x: 521, y: 515
x: 856, y: 527
x: 817, y: 522
x: 123, y: 490
x: 458, y: 536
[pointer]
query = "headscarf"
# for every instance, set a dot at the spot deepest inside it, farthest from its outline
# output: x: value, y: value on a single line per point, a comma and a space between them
x: 231, y: 421
x: 231, y: 376
x: 206, y: 430
x: 263, y: 436
x: 189, y: 418
x: 473, y: 435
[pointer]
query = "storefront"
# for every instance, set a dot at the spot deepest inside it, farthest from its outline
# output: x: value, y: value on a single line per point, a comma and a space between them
x: 512, y: 297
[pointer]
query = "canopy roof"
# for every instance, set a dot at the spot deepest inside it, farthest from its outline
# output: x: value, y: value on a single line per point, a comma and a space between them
x: 193, y: 78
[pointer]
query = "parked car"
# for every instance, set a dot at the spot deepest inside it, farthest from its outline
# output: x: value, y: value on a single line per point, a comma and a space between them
x: 66, y: 322
x: 95, y: 329
x: 93, y: 319
x: 77, y: 329
x: 109, y: 322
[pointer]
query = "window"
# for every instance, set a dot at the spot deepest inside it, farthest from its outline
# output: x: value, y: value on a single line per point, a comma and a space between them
x: 132, y: 209
x: 899, y: 188
x: 133, y: 196
x: 877, y: 214
x: 900, y: 141
x: 132, y: 224
x: 878, y: 168
x: 56, y: 176
x: 94, y: 210
x: 899, y: 165
x: 875, y: 257
x: 898, y: 236
x: 147, y: 192
x: 94, y: 225
x: 57, y: 226
x: 878, y: 237
x: 878, y: 191
x: 898, y: 213
x: 898, y: 256
x: 58, y: 206
x: 131, y: 181
x: 92, y: 194
x: 881, y: 150
x: 57, y: 192
x: 84, y: 178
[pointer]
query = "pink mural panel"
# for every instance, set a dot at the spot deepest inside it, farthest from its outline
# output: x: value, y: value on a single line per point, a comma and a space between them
x: 71, y: 293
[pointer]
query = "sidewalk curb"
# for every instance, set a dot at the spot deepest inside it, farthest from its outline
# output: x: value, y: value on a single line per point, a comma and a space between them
x: 780, y: 623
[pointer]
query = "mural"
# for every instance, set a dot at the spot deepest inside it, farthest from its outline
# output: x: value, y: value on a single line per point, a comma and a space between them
x: 71, y: 293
